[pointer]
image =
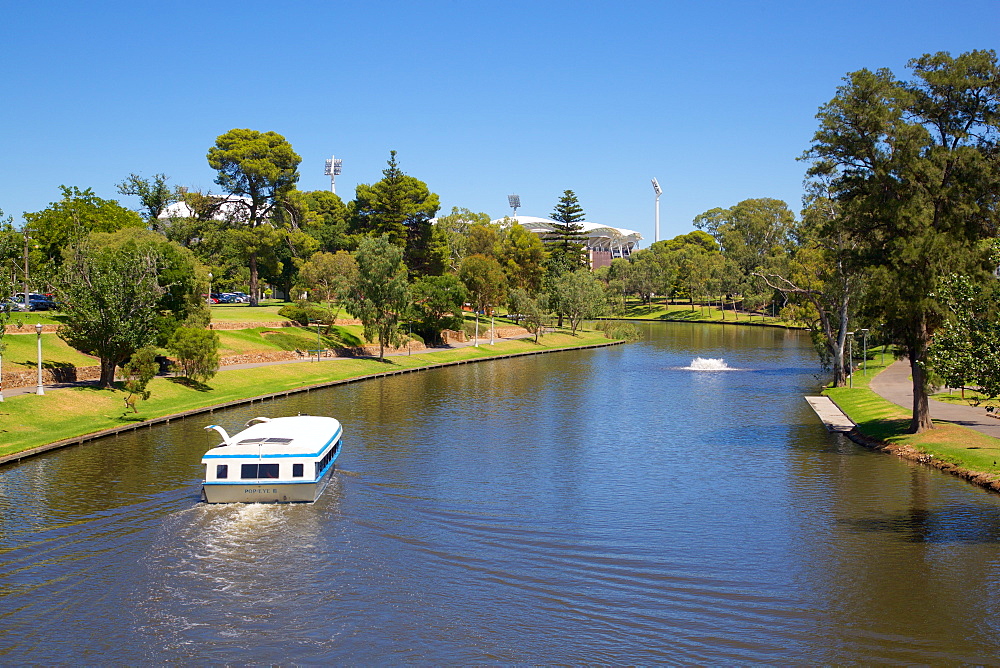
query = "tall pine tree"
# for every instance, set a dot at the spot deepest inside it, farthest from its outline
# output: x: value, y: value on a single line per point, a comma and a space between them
x: 566, y: 241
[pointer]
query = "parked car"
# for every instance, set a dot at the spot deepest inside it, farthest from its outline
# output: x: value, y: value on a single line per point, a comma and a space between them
x: 241, y: 297
x: 11, y: 305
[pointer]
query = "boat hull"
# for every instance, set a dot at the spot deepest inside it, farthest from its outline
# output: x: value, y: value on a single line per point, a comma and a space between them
x: 266, y: 492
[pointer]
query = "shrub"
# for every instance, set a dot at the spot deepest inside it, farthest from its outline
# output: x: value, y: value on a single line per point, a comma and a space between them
x: 303, y: 312
x: 197, y: 352
x: 616, y: 329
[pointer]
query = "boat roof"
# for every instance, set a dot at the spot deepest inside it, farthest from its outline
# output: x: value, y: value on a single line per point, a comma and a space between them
x: 297, y: 436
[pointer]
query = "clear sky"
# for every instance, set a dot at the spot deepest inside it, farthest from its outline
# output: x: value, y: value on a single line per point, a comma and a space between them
x: 714, y: 98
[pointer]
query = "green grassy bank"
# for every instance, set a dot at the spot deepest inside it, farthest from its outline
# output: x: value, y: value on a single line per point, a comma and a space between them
x: 664, y: 310
x: 886, y: 422
x: 28, y: 421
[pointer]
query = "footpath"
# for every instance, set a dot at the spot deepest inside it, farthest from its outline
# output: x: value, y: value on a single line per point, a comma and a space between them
x: 894, y: 385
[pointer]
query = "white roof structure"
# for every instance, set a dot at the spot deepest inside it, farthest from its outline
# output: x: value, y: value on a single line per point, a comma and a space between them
x: 601, y: 237
x: 230, y: 206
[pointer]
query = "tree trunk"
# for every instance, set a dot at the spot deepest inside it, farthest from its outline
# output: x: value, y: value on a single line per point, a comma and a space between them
x: 253, y: 279
x: 921, y: 406
x: 107, y: 373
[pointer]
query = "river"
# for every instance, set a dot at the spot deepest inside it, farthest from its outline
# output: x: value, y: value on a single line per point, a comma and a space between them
x: 597, y: 506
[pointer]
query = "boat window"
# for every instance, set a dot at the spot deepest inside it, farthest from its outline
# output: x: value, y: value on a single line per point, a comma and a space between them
x: 250, y: 471
x: 297, y: 470
x: 222, y: 471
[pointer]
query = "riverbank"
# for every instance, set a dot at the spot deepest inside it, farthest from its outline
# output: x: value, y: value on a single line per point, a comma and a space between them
x: 666, y: 311
x: 32, y: 424
x: 882, y: 425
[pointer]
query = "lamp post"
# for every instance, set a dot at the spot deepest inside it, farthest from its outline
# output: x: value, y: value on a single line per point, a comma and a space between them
x: 209, y: 288
x: 515, y: 203
x: 850, y: 358
x: 864, y: 358
x: 40, y: 389
x: 658, y: 191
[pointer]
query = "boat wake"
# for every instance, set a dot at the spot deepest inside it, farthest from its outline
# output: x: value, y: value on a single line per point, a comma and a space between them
x: 708, y: 364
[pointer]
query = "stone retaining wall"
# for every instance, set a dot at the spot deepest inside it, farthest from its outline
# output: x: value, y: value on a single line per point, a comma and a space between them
x: 67, y: 374
x: 30, y: 329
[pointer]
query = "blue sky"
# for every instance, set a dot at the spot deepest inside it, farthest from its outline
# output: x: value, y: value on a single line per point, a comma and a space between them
x: 716, y: 99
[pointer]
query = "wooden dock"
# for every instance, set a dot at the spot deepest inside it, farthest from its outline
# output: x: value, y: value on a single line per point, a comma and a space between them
x: 832, y: 417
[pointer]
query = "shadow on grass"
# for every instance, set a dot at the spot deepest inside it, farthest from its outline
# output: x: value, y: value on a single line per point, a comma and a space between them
x: 189, y: 383
x: 885, y: 430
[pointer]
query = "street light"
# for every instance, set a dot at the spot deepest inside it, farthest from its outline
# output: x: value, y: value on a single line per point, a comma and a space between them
x: 515, y: 203
x: 209, y: 288
x: 864, y: 359
x: 658, y: 191
x: 850, y: 358
x: 40, y: 389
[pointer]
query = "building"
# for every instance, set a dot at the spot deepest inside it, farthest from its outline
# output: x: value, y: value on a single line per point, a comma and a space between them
x: 604, y: 243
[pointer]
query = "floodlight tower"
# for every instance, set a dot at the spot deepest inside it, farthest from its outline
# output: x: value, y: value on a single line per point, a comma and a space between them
x: 515, y: 202
x: 333, y: 167
x: 658, y: 191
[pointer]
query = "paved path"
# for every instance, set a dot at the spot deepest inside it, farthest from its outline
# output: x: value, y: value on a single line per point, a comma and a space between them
x: 895, y: 385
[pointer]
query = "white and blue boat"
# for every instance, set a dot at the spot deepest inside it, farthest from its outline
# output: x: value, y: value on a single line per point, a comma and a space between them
x: 273, y: 460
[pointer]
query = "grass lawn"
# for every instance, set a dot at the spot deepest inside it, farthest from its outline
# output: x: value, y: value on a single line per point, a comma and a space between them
x: 237, y: 341
x: 887, y: 422
x: 663, y: 310
x: 28, y: 420
x: 266, y: 312
x: 22, y: 350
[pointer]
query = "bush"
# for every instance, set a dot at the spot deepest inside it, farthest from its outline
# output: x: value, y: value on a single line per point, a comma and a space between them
x: 197, y: 352
x: 303, y: 312
x: 616, y: 329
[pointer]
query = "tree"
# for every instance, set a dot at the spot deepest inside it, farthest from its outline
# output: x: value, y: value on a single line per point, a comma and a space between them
x: 918, y: 179
x: 750, y: 234
x: 260, y: 168
x: 9, y: 245
x: 328, y: 223
x: 70, y: 220
x: 380, y: 294
x: 329, y: 276
x: 109, y: 298
x: 437, y: 303
x: 139, y: 370
x: 580, y: 297
x: 522, y: 255
x: 484, y: 279
x: 181, y: 278
x: 818, y: 274
x: 401, y: 207
x: 966, y: 348
x: 197, y: 352
x: 532, y: 310
x: 153, y: 194
x: 566, y: 241
x: 454, y: 229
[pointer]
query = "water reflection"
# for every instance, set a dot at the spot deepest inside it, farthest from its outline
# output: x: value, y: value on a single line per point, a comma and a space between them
x: 585, y: 507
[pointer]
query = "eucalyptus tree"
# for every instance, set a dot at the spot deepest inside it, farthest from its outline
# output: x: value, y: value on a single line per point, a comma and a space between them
x: 581, y: 296
x: 485, y: 280
x: 259, y: 168
x: 919, y: 182
x: 328, y: 277
x: 819, y: 274
x: 154, y: 195
x: 380, y: 293
x: 69, y: 221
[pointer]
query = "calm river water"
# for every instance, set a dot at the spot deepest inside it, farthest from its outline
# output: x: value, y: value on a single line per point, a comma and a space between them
x: 604, y: 506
